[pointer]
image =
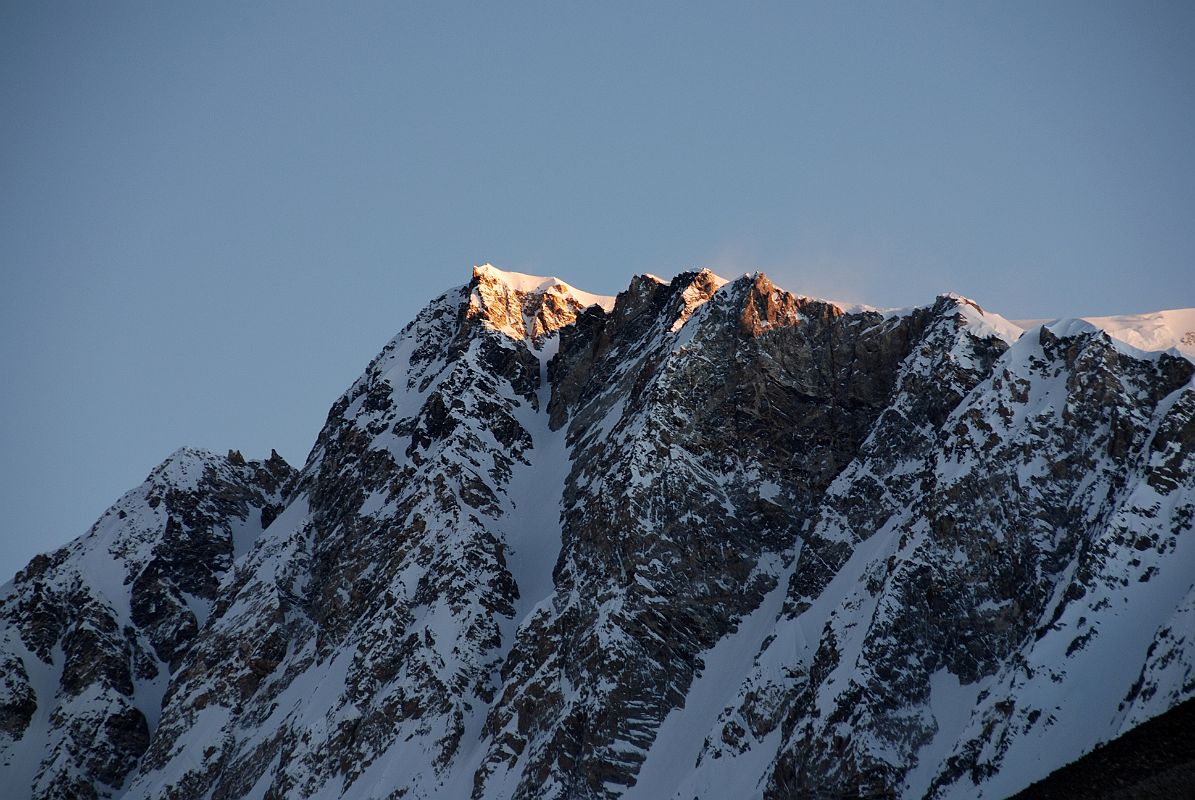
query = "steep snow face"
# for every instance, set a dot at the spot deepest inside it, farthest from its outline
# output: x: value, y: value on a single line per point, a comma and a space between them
x: 90, y: 634
x: 705, y: 539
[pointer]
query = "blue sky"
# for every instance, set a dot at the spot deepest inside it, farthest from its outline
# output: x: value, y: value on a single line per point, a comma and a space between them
x: 212, y: 215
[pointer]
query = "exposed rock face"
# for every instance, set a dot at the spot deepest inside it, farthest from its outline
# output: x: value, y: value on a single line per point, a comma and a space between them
x: 90, y: 634
x: 697, y: 460
x: 706, y: 539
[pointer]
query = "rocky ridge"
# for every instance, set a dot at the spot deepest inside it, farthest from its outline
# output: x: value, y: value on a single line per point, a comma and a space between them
x: 704, y: 539
x: 91, y: 634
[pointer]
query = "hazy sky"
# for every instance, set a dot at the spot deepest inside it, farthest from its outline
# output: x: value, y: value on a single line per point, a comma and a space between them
x: 213, y: 215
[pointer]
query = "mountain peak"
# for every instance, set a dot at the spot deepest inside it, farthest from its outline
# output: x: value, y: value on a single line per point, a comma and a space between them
x: 536, y: 285
x: 526, y: 306
x: 699, y: 286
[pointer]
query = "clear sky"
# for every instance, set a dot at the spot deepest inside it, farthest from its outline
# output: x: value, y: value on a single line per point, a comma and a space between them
x: 212, y: 215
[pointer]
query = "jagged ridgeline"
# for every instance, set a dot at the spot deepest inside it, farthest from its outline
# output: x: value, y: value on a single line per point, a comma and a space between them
x: 706, y: 539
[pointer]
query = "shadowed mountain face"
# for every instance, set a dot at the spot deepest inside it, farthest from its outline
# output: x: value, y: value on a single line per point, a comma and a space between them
x: 705, y: 539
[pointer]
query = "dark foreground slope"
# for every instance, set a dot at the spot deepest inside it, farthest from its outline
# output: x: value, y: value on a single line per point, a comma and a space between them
x: 1154, y: 761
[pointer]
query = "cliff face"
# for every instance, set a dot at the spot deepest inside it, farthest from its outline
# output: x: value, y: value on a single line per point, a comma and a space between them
x: 704, y: 539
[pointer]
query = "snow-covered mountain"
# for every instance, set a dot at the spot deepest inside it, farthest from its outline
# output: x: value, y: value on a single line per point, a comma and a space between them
x: 91, y: 634
x: 705, y: 539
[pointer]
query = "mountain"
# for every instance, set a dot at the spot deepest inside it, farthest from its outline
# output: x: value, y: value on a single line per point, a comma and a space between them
x: 91, y: 634
x: 705, y: 539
